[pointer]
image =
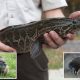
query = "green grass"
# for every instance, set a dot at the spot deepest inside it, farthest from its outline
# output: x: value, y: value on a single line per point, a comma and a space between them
x: 10, y: 59
x: 77, y: 37
x: 55, y: 58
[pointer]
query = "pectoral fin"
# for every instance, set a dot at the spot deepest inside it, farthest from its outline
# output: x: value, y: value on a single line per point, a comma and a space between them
x: 36, y: 46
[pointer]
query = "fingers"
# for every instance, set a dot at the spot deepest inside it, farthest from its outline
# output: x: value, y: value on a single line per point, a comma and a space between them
x: 75, y: 14
x: 49, y: 41
x: 53, y: 40
x: 55, y: 37
x: 71, y: 36
x: 4, y: 47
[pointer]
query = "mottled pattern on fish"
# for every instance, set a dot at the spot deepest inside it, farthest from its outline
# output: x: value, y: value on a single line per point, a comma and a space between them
x: 27, y: 37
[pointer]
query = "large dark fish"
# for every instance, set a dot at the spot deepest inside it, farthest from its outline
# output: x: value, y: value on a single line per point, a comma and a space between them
x: 75, y: 65
x: 29, y: 37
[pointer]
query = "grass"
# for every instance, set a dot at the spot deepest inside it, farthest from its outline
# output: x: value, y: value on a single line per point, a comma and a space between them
x: 77, y: 37
x: 10, y: 59
x: 55, y: 58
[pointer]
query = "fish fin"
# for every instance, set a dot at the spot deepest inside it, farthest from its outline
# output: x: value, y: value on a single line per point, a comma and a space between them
x: 36, y: 46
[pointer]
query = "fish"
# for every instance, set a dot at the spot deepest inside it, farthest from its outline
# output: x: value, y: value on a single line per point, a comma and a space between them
x: 29, y: 37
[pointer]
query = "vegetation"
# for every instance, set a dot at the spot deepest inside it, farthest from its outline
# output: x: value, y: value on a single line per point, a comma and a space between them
x: 10, y: 59
x: 55, y: 58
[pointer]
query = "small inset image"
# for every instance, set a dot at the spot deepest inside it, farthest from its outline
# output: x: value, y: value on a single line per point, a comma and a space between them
x: 8, y: 65
x: 71, y: 64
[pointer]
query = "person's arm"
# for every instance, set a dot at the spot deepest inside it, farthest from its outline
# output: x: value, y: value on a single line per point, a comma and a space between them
x: 52, y: 38
x: 6, y: 48
x: 54, y: 13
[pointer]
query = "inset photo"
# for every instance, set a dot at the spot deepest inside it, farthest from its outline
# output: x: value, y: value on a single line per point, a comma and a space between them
x: 8, y: 65
x: 71, y: 64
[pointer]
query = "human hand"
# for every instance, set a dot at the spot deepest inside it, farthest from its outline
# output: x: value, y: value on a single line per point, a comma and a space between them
x: 75, y: 14
x: 54, y: 40
x: 6, y: 48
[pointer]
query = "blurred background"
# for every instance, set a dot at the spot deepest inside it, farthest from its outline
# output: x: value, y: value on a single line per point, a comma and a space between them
x: 73, y: 5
